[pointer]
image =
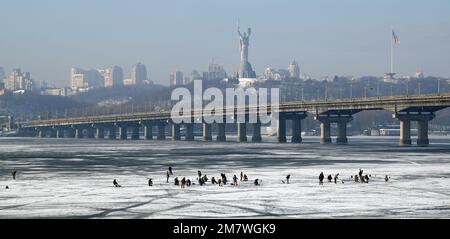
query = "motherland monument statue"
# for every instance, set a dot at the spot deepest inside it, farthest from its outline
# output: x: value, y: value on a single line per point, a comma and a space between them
x: 245, y: 69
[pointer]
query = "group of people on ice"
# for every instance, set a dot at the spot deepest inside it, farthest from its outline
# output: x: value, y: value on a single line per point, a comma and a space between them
x: 203, y: 179
x: 358, y: 178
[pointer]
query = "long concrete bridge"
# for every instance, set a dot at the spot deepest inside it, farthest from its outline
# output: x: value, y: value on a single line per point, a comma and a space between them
x: 404, y: 108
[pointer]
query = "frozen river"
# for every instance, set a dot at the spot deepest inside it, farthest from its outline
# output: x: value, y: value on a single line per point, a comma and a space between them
x: 71, y: 178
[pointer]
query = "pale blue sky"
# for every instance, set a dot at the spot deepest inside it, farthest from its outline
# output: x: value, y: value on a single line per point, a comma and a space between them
x: 327, y: 37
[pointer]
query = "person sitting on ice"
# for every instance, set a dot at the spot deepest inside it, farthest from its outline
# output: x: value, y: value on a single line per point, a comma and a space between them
x: 116, y: 184
x: 7, y: 187
x: 366, y: 178
x: 213, y: 181
x: 205, y: 178
x: 360, y: 173
x: 335, y: 178
x: 188, y: 182
x: 386, y: 179
x: 201, y: 182
x: 245, y: 177
x: 150, y: 182
x: 167, y: 176
x: 183, y: 182
x: 170, y: 170
x: 321, y: 176
x: 14, y: 174
x: 176, y: 181
x: 235, y: 180
x: 356, y: 179
x: 256, y: 182
x: 330, y: 178
x: 220, y: 182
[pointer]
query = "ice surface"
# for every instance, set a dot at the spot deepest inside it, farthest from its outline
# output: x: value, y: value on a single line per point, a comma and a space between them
x: 69, y: 178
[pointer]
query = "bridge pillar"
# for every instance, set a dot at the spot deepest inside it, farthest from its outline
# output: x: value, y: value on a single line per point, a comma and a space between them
x: 297, y: 128
x: 242, y: 132
x: 70, y: 133
x: 123, y: 132
x: 342, y: 129
x: 53, y: 133
x: 135, y: 133
x: 281, y: 130
x: 79, y: 133
x: 91, y: 133
x: 325, y: 131
x: 256, y: 138
x: 189, y: 132
x: 161, y: 131
x: 41, y: 133
x: 148, y: 132
x: 176, y: 132
x: 405, y: 131
x: 221, y: 136
x: 112, y: 133
x: 99, y: 133
x: 207, y: 132
x: 422, y: 132
x: 60, y: 133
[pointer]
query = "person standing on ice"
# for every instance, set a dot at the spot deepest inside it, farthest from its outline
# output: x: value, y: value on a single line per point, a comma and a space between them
x: 116, y: 184
x: 150, y: 182
x: 321, y: 177
x: 235, y: 179
x: 360, y: 173
x: 14, y: 174
x: 242, y: 176
x: 167, y: 176
x: 170, y: 170
x: 176, y: 181
x: 335, y: 178
x: 183, y: 182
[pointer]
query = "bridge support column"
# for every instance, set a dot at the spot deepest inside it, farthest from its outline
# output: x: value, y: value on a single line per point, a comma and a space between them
x: 112, y: 133
x: 189, y: 132
x: 342, y: 130
x: 161, y: 131
x: 297, y: 129
x: 79, y: 133
x: 135, y: 133
x: 176, y: 132
x: 91, y: 133
x: 325, y: 131
x: 256, y: 138
x: 60, y: 133
x: 148, y: 132
x: 405, y: 131
x: 221, y: 136
x: 123, y: 132
x: 42, y: 133
x: 242, y: 132
x: 422, y: 132
x: 207, y: 132
x: 100, y: 133
x: 53, y: 133
x: 70, y: 133
x: 281, y: 130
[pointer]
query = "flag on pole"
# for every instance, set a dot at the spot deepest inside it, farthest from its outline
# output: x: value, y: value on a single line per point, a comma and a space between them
x: 396, y: 40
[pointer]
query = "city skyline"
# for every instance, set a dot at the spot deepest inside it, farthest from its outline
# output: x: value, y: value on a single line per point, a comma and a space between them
x: 325, y: 37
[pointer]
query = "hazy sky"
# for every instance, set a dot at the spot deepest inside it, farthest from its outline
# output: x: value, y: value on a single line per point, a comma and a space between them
x: 327, y: 37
